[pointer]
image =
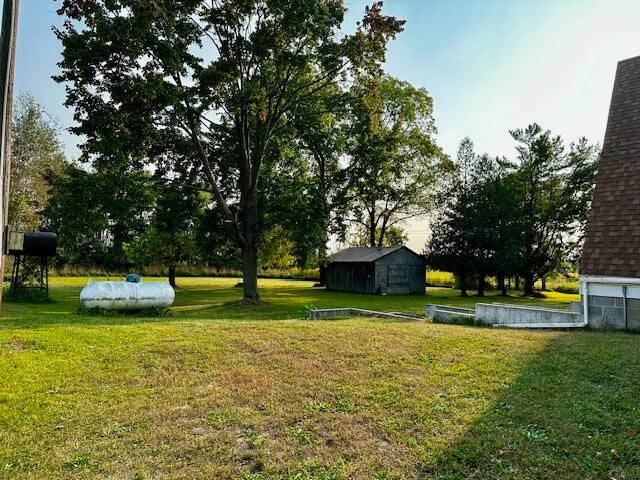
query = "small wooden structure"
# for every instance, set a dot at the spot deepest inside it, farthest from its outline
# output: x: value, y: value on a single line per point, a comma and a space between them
x: 31, y: 252
x: 383, y: 270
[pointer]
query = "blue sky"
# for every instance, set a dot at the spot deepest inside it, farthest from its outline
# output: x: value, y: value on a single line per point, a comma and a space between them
x: 490, y: 65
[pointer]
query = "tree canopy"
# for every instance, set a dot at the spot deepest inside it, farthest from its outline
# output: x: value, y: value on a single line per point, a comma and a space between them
x: 208, y: 78
x: 515, y: 219
x: 37, y: 154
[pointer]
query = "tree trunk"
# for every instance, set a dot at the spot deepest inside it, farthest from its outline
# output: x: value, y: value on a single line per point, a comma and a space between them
x: 250, y: 273
x: 463, y: 284
x: 372, y: 230
x: 323, y: 257
x: 383, y: 232
x: 518, y: 283
x: 544, y: 284
x: 323, y: 260
x: 502, y: 285
x: 172, y: 275
x: 250, y: 249
x: 528, y: 284
x: 481, y: 285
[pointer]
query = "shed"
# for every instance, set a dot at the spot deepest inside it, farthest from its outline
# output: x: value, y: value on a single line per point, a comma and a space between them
x: 383, y: 270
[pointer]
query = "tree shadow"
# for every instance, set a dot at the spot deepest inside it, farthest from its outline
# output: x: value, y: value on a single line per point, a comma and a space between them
x: 285, y: 301
x: 573, y: 412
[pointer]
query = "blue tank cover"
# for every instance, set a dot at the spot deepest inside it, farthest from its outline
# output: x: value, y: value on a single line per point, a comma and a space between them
x: 133, y: 278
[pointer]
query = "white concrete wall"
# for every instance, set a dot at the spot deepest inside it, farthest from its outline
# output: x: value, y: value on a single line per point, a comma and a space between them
x: 510, y: 315
x: 337, y: 313
x: 445, y: 312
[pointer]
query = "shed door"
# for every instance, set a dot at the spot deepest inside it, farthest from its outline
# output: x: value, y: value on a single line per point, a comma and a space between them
x: 398, y: 278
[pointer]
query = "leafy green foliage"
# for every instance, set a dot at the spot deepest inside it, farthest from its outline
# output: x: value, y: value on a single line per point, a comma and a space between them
x: 170, y: 238
x: 393, y: 236
x: 556, y: 188
x: 211, y: 83
x: 522, y: 219
x: 394, y: 160
x: 276, y: 249
x: 26, y: 295
x: 96, y: 214
x: 36, y: 155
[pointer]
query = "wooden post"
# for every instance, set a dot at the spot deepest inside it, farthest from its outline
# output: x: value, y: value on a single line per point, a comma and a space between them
x: 7, y: 69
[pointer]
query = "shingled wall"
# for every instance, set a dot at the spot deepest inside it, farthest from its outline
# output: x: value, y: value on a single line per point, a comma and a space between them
x: 612, y: 244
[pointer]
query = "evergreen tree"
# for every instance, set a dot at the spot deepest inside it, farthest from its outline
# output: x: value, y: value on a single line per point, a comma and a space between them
x: 556, y: 187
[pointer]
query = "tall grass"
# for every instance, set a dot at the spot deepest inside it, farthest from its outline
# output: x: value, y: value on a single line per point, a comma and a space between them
x: 562, y: 284
x: 436, y: 278
x: 183, y: 271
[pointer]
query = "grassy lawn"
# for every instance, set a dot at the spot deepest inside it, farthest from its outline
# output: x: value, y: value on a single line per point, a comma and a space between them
x: 222, y: 391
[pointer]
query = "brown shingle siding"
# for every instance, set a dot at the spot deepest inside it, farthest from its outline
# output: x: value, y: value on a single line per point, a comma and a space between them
x: 612, y: 243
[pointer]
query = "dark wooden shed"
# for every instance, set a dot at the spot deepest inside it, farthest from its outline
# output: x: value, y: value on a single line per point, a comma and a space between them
x: 384, y: 270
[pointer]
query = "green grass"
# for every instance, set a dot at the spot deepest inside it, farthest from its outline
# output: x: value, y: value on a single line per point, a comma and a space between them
x: 228, y: 392
x: 212, y: 298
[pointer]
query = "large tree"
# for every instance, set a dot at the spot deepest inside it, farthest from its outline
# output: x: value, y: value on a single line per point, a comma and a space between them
x: 36, y: 154
x: 492, y: 220
x: 208, y: 72
x: 449, y: 245
x: 394, y: 160
x: 170, y: 238
x: 97, y: 214
x: 477, y: 232
x: 322, y: 142
x: 556, y: 187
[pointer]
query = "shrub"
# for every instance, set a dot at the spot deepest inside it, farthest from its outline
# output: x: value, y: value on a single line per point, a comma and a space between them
x: 436, y: 278
x: 566, y: 287
x: 151, y: 312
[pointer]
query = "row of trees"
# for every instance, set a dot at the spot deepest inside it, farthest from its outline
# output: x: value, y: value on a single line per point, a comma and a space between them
x: 134, y: 219
x: 503, y: 219
x: 248, y: 133
x: 226, y: 132
x: 265, y: 107
x: 521, y: 219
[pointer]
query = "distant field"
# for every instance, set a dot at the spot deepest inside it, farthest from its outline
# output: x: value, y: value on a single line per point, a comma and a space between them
x: 219, y: 391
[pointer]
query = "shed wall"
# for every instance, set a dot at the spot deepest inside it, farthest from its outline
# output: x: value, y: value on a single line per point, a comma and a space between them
x: 401, y: 272
x: 352, y: 277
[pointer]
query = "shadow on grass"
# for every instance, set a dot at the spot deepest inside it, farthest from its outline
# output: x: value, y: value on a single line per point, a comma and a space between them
x: 208, y: 302
x: 574, y: 412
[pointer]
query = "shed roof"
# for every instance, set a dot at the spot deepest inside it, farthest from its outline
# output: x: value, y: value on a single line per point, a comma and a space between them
x: 365, y: 254
x: 612, y: 241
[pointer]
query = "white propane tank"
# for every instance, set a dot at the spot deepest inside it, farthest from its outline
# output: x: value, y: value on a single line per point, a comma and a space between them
x: 127, y: 295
